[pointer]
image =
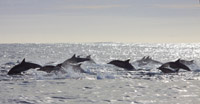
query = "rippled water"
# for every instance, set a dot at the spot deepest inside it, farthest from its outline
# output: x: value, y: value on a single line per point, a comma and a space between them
x: 110, y: 85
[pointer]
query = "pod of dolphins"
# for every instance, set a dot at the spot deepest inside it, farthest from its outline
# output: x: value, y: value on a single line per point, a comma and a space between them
x: 75, y: 63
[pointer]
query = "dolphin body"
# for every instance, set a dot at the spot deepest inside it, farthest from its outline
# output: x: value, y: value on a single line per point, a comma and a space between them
x: 50, y: 68
x: 22, y: 67
x: 146, y: 60
x: 123, y: 64
x: 172, y: 67
x: 77, y: 59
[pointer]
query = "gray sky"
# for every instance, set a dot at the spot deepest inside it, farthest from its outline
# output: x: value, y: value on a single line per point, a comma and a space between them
x: 136, y: 21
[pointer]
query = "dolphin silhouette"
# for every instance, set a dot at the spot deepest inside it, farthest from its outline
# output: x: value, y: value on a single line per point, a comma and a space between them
x: 75, y: 60
x: 122, y: 64
x: 50, y: 68
x: 21, y: 67
x: 171, y: 67
x: 146, y: 60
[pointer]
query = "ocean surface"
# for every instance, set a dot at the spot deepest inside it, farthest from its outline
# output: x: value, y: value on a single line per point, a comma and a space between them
x: 103, y: 83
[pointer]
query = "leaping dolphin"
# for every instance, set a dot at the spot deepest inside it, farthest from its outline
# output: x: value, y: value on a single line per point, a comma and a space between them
x: 50, y: 68
x: 123, y: 64
x: 171, y: 67
x: 75, y: 60
x: 58, y: 67
x: 21, y: 67
x: 146, y: 60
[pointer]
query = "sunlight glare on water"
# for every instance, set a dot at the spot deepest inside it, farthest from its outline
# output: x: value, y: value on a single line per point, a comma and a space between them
x: 102, y: 83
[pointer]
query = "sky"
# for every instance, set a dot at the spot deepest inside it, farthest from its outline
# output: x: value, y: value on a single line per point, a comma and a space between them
x: 77, y: 21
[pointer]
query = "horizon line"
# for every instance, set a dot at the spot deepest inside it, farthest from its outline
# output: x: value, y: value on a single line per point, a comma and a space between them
x: 101, y: 42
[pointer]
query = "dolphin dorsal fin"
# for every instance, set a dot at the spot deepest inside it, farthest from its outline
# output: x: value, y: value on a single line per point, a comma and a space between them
x: 127, y: 60
x: 74, y: 56
x: 178, y: 61
x: 23, y: 61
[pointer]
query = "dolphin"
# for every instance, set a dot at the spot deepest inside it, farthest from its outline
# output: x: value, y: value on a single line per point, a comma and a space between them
x: 146, y: 60
x: 75, y: 60
x: 50, y: 68
x: 123, y: 64
x: 22, y: 67
x: 171, y: 67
